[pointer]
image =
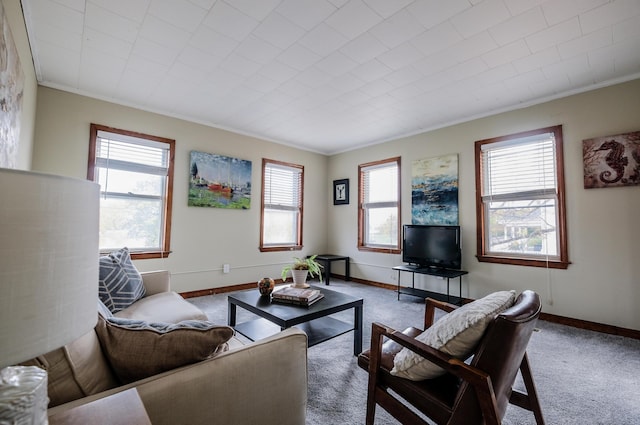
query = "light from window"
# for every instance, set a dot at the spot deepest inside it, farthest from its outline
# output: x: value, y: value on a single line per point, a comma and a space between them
x: 521, y: 199
x: 379, y: 206
x: 281, y: 214
x: 134, y: 172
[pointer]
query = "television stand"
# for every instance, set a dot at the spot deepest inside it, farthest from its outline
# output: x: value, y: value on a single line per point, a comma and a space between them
x: 443, y: 273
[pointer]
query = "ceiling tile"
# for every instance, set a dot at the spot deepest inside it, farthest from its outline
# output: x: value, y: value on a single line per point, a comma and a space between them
x: 105, y: 43
x: 179, y: 13
x: 519, y: 26
x: 212, y: 42
x: 371, y: 70
x: 434, y: 12
x: 556, y: 34
x: 592, y: 41
x: 609, y: 14
x: 298, y: 57
x: 557, y: 11
x: 437, y: 38
x: 353, y: 19
x: 401, y: 56
x: 306, y: 13
x: 226, y: 20
x: 258, y: 50
x: 58, y: 16
x: 506, y: 54
x: 480, y: 17
x: 336, y: 64
x: 278, y: 71
x: 386, y: 8
x: 364, y: 48
x: 258, y: 10
x: 398, y: 29
x: 164, y: 34
x: 111, y: 23
x: 134, y: 10
x: 323, y: 40
x: 279, y: 31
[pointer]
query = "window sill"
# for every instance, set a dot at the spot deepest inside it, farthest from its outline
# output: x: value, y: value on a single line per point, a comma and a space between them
x: 547, y: 264
x: 380, y: 250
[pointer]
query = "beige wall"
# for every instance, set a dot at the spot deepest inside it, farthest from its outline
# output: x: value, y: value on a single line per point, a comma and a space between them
x: 202, y: 239
x: 13, y: 11
x: 603, y: 282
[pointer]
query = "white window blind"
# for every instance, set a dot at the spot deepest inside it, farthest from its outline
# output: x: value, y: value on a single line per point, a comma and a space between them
x: 380, y: 202
x: 380, y: 185
x: 519, y: 169
x: 281, y: 206
x: 282, y: 187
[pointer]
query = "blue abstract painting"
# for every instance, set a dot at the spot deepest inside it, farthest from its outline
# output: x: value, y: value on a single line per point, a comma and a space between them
x: 434, y: 190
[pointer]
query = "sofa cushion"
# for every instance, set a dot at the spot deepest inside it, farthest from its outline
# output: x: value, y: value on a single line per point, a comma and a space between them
x: 456, y: 334
x: 76, y: 370
x: 137, y: 349
x: 120, y: 283
x: 167, y: 307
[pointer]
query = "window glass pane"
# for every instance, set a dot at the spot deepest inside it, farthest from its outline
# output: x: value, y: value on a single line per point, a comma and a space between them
x: 280, y: 227
x: 382, y: 226
x: 134, y: 223
x: 128, y: 182
x: 523, y: 227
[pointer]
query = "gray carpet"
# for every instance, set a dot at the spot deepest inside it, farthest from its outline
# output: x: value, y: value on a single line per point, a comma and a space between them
x: 582, y: 377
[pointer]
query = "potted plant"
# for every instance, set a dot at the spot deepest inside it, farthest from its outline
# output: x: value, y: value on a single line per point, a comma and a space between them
x: 300, y: 268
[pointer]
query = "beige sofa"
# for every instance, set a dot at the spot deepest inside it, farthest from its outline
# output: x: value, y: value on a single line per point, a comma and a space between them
x: 264, y: 382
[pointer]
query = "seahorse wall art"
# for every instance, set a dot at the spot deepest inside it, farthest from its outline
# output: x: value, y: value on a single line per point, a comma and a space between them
x: 612, y: 160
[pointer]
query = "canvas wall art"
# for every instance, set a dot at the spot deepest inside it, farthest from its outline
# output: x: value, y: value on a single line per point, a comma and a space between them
x: 11, y: 92
x: 612, y: 160
x: 434, y: 190
x: 219, y: 181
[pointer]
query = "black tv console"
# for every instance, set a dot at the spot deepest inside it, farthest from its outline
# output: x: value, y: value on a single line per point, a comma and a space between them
x: 444, y: 273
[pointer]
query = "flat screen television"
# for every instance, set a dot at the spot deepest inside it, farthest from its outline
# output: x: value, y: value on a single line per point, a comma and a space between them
x: 436, y: 246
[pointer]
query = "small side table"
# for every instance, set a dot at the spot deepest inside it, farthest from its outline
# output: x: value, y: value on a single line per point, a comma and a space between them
x: 327, y: 259
x: 124, y: 408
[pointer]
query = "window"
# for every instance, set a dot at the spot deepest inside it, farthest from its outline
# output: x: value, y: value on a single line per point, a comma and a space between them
x: 379, y: 206
x: 281, y: 212
x: 135, y: 173
x: 520, y: 199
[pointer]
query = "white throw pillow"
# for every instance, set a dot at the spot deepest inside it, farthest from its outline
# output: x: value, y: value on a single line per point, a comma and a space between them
x: 456, y: 334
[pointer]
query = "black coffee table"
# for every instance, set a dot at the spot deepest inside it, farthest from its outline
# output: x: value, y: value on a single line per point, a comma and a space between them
x: 313, y: 320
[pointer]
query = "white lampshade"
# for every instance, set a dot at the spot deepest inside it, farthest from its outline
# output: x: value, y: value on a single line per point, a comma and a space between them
x: 48, y: 262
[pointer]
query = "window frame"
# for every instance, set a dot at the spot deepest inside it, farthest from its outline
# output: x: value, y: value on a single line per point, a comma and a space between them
x: 362, y: 246
x: 300, y: 209
x: 165, y: 238
x: 483, y: 254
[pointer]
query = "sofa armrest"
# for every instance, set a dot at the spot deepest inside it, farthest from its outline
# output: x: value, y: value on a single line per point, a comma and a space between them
x: 264, y: 382
x: 156, y: 281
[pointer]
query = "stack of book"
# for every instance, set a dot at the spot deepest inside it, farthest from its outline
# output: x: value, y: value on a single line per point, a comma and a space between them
x: 298, y: 296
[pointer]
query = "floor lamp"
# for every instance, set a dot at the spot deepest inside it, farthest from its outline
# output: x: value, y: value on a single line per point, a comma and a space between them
x: 48, y: 280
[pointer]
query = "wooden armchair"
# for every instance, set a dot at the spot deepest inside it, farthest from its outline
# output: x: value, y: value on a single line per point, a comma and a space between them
x: 473, y: 393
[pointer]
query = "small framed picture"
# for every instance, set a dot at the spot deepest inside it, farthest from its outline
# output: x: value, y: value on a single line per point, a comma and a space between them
x: 341, y: 192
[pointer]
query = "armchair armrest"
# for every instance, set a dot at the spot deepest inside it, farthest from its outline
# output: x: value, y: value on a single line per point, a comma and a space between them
x: 157, y: 281
x: 480, y: 380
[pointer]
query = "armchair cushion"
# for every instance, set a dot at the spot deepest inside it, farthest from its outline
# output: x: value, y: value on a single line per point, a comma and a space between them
x: 456, y: 334
x: 137, y: 349
x: 120, y: 283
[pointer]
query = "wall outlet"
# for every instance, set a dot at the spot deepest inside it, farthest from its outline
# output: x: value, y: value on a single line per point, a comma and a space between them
x: 225, y: 268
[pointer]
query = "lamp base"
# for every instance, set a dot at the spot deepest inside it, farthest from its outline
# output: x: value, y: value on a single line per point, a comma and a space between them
x: 23, y: 395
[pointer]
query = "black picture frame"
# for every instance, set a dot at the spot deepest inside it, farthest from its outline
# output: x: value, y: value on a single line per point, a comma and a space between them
x: 341, y: 192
